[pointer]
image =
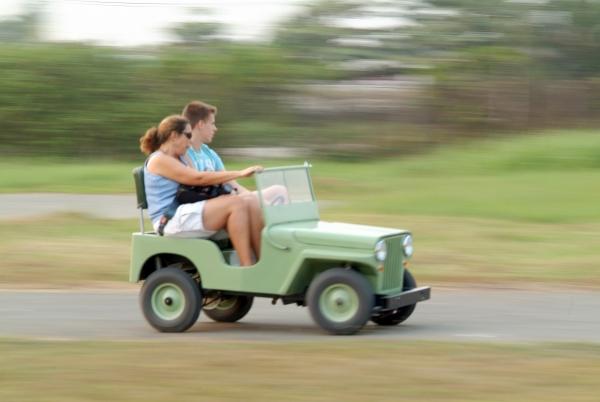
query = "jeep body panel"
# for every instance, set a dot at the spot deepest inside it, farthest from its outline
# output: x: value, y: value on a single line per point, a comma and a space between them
x: 336, y: 234
x: 279, y: 272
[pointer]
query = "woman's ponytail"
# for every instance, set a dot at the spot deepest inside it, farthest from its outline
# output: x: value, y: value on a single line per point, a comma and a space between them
x: 149, y: 141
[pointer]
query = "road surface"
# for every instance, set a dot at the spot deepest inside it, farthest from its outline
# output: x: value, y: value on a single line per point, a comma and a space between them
x: 453, y: 314
x: 103, y: 206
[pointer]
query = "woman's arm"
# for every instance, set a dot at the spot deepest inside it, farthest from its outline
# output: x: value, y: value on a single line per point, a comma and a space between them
x: 171, y: 168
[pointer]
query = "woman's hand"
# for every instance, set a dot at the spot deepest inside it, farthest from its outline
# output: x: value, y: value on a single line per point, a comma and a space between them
x: 249, y: 171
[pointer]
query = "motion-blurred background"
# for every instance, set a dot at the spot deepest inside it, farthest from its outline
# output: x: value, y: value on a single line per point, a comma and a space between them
x: 334, y: 78
x: 473, y: 123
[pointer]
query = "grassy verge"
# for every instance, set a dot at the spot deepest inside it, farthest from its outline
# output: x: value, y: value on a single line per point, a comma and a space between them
x: 21, y: 175
x: 74, y: 250
x: 64, y: 250
x: 497, y: 251
x: 47, y: 371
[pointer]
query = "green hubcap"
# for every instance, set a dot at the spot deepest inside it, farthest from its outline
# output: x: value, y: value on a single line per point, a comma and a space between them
x: 168, y: 301
x: 339, y: 302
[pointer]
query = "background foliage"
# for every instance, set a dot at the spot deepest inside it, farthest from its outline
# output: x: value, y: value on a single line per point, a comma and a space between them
x: 446, y: 69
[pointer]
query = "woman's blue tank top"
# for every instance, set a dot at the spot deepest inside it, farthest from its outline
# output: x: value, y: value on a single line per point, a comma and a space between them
x: 160, y: 191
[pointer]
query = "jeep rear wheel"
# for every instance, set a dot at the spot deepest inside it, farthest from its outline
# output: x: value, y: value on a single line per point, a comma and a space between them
x: 171, y: 300
x: 340, y: 301
x: 228, y: 308
x: 395, y: 317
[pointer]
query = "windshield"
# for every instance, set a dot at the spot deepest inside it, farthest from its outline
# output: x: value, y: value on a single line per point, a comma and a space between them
x: 290, y: 185
x: 286, y: 195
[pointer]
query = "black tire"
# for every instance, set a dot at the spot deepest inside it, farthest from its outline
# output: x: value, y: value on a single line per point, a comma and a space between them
x: 171, y: 300
x: 229, y: 308
x: 395, y: 317
x: 340, y: 301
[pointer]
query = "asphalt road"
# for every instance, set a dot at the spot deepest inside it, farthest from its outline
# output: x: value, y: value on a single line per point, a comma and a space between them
x: 104, y: 206
x: 111, y: 206
x: 453, y: 314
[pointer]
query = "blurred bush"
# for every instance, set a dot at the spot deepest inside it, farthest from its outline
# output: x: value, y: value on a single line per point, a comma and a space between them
x: 86, y: 100
x: 331, y: 80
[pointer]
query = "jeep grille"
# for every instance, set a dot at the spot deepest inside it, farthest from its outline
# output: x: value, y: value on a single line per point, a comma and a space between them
x: 392, y: 270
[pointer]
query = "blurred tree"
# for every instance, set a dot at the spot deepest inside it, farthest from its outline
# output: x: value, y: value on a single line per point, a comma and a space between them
x: 353, y: 38
x: 556, y: 37
x: 25, y: 27
x: 198, y: 32
x: 570, y: 31
x: 310, y: 33
x: 493, y: 61
x: 494, y: 64
x: 504, y: 64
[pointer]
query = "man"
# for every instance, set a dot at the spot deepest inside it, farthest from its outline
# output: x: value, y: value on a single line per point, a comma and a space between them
x: 202, y: 119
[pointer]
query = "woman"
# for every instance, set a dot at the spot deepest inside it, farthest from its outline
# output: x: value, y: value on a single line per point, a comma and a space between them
x: 164, y: 170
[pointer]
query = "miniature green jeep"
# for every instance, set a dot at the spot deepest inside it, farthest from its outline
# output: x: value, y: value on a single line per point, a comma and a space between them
x: 346, y: 274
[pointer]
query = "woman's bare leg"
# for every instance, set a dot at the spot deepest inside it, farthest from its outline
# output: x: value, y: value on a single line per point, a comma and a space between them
x: 231, y: 212
x: 257, y: 223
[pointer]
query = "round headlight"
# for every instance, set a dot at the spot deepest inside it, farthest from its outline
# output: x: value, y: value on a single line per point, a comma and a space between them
x: 380, y: 251
x: 407, y: 245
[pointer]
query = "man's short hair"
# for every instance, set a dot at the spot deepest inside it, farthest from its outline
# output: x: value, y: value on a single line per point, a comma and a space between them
x: 196, y: 111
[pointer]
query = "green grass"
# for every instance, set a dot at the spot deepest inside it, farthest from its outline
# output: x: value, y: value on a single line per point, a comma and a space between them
x: 64, y: 250
x: 530, y: 196
x: 65, y: 176
x: 496, y: 251
x: 548, y: 177
x: 344, y: 370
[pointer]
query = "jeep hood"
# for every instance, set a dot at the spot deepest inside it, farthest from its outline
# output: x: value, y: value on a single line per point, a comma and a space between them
x: 343, y: 234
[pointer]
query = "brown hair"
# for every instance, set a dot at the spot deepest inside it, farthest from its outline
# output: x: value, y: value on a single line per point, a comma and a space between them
x: 156, y: 136
x: 196, y: 111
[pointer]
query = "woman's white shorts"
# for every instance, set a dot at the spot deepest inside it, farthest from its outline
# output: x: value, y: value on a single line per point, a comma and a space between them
x: 187, y: 222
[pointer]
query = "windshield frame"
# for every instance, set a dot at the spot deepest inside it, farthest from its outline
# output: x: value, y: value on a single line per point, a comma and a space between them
x: 293, y: 211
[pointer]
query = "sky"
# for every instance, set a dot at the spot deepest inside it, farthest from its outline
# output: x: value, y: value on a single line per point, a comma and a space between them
x: 141, y: 22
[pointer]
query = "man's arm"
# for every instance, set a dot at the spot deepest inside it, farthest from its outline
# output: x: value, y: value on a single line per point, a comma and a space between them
x: 220, y: 166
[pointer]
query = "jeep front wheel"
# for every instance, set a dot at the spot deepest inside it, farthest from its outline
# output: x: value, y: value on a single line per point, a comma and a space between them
x: 340, y: 301
x: 395, y: 317
x: 171, y: 300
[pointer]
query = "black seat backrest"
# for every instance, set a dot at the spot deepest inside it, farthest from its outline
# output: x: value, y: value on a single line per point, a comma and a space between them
x: 140, y: 190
